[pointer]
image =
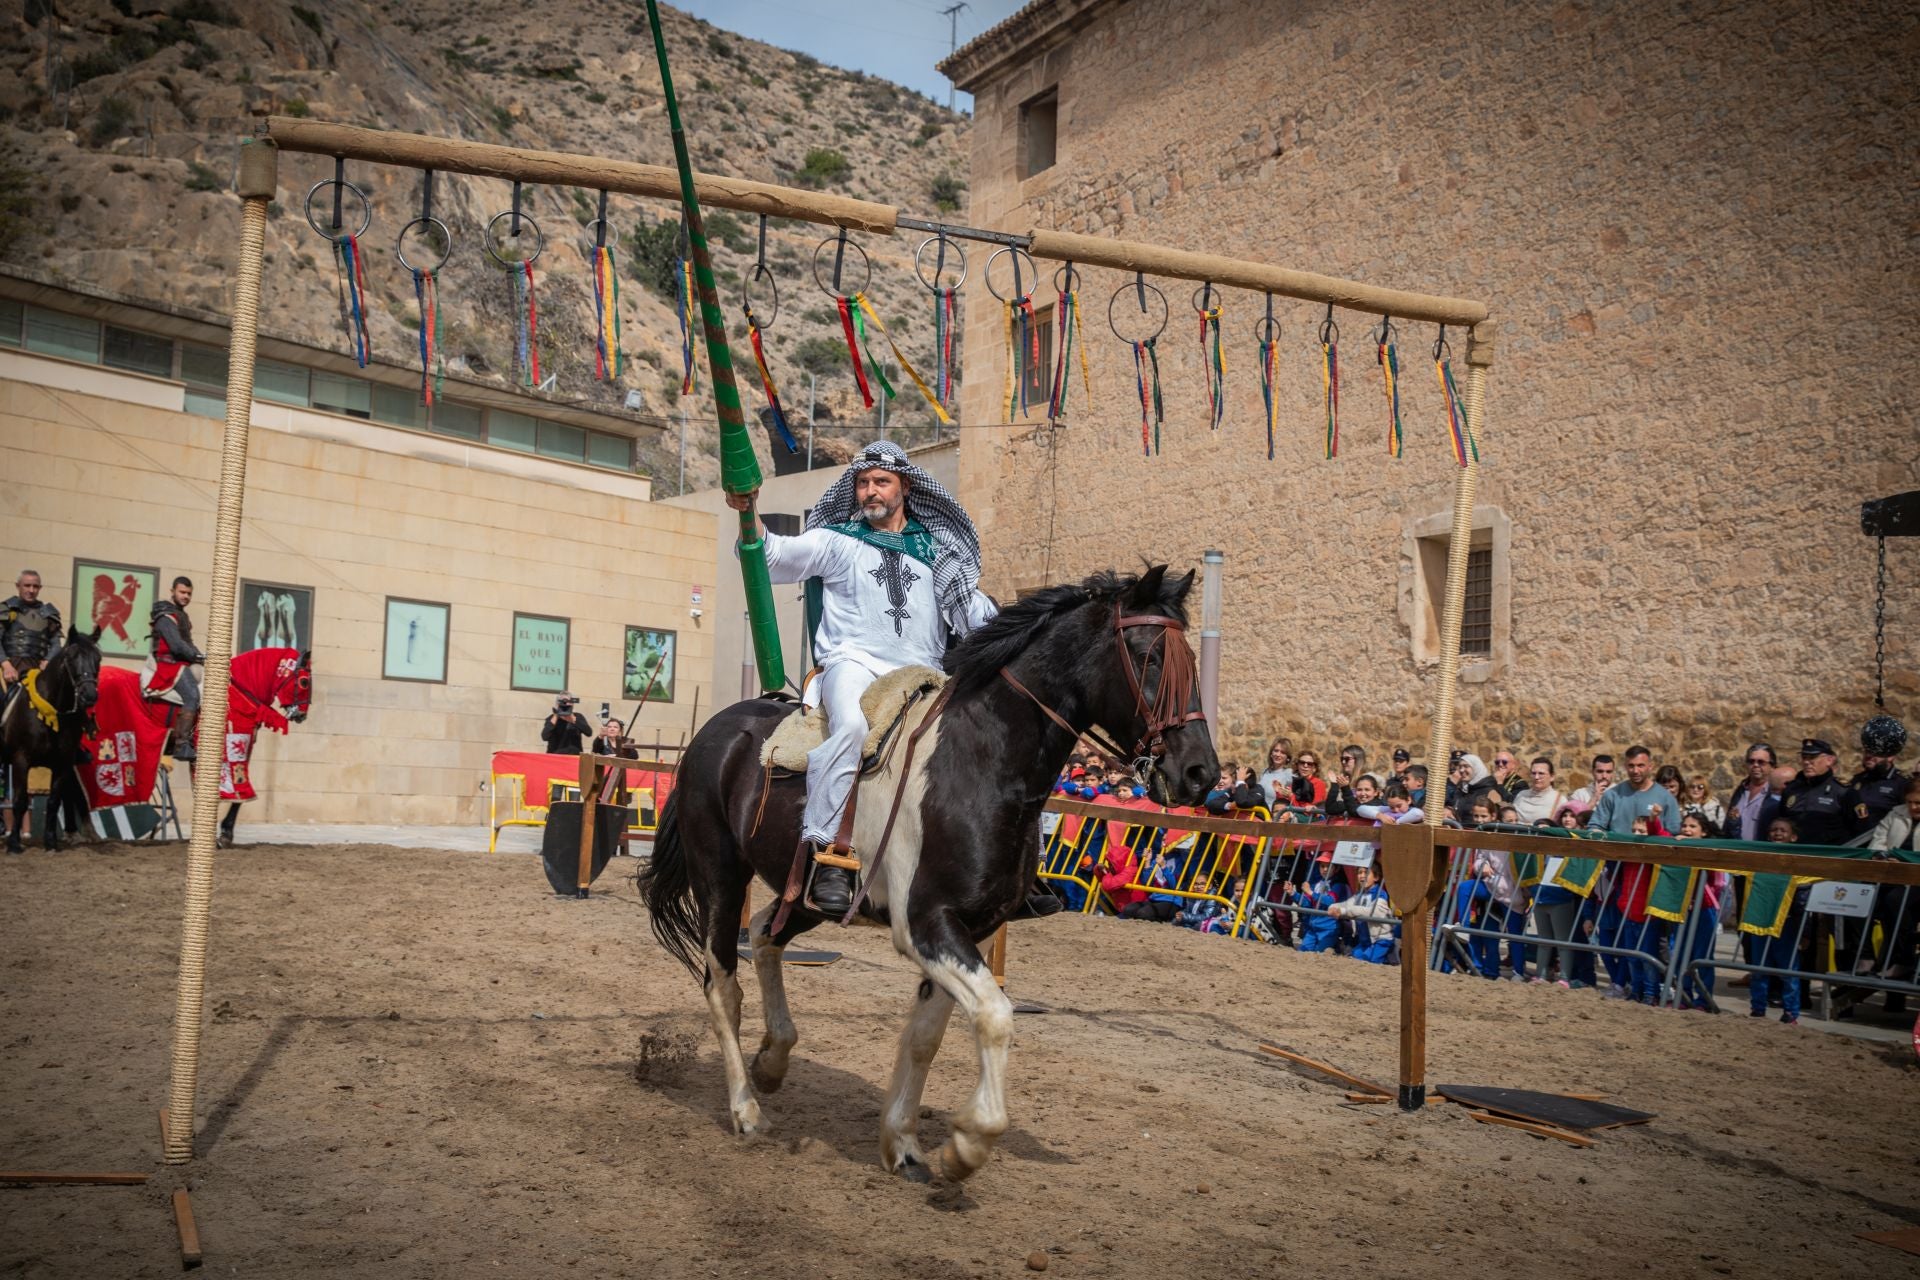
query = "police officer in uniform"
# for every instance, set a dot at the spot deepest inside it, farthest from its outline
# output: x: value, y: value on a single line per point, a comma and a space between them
x: 174, y: 656
x: 30, y: 630
x: 1881, y: 784
x: 1826, y: 810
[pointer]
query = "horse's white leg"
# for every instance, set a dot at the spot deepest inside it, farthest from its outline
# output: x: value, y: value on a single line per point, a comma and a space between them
x: 776, y: 1043
x: 919, y: 1041
x: 979, y: 1124
x: 723, y: 1001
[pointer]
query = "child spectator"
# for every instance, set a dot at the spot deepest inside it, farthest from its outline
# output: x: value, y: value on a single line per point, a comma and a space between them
x: 1345, y: 801
x: 1696, y: 984
x: 1778, y: 952
x: 1398, y: 808
x: 1318, y: 933
x: 1377, y: 936
x: 1277, y: 779
x: 1635, y: 978
x: 1555, y: 908
x: 1163, y: 873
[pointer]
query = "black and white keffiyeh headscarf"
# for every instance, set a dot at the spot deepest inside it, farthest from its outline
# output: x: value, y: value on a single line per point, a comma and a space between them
x: 956, y: 570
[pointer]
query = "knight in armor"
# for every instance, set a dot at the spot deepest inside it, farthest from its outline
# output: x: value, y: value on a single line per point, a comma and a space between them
x: 30, y: 630
x: 174, y: 656
x: 898, y: 562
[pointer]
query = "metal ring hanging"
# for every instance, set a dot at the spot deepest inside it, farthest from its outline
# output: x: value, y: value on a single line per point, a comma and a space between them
x: 1329, y: 331
x: 1073, y: 278
x: 986, y: 274
x: 840, y: 245
x: 1202, y: 297
x: 1136, y: 287
x: 591, y: 223
x: 1441, y: 349
x: 539, y: 238
x: 761, y: 271
x: 1386, y: 332
x: 431, y: 226
x: 936, y: 286
x: 1266, y: 329
x: 366, y: 208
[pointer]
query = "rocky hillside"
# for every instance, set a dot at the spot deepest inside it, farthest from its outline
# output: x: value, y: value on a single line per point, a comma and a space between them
x: 119, y: 118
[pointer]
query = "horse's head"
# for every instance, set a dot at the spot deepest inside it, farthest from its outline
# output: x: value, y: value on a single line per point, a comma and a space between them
x: 79, y: 663
x: 1111, y: 651
x: 294, y: 688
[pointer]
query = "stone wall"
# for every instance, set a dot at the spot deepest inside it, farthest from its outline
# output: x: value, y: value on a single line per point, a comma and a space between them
x: 115, y: 471
x: 1693, y: 230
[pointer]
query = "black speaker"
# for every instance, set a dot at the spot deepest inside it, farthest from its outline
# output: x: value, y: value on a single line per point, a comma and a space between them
x: 560, y: 842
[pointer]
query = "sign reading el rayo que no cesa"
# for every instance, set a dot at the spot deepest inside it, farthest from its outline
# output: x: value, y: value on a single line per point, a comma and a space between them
x: 540, y: 652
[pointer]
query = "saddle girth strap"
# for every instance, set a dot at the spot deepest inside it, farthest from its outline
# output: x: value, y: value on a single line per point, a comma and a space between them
x: 899, y: 794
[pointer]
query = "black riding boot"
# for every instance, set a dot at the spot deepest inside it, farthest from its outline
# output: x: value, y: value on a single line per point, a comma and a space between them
x: 1041, y: 901
x: 184, y: 730
x: 832, y: 890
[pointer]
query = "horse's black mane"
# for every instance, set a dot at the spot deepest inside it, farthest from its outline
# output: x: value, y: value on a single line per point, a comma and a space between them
x: 979, y: 657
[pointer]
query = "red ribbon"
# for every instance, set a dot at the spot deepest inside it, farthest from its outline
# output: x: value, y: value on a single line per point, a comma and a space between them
x: 853, y: 349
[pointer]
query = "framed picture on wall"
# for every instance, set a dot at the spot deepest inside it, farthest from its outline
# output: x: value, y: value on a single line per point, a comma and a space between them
x: 274, y: 615
x: 648, y: 669
x: 117, y: 598
x: 540, y: 653
x: 416, y: 641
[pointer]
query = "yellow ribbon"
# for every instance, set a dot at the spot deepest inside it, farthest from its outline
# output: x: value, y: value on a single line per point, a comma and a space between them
x: 41, y: 706
x: 866, y: 309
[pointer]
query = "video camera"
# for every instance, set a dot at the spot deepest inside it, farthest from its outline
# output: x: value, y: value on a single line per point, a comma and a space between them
x: 564, y: 704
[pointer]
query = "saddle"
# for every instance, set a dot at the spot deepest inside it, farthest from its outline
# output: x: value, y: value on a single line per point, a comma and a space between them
x: 885, y: 705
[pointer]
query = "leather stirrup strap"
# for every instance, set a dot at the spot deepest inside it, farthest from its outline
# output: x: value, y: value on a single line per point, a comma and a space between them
x: 899, y: 793
x: 796, y: 880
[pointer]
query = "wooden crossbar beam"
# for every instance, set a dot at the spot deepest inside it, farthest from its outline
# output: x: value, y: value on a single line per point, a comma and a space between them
x: 1324, y: 1069
x: 75, y: 1179
x: 570, y: 169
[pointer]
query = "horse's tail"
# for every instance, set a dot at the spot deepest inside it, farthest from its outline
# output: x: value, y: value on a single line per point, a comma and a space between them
x: 668, y: 889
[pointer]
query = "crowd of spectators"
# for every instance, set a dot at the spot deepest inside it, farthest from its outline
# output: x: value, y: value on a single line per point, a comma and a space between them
x: 1313, y: 904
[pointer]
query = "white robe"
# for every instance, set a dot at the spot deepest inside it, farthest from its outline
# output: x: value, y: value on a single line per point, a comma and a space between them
x: 879, y: 614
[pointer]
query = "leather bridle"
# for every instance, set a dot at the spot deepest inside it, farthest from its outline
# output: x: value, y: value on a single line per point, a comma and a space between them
x: 1173, y: 702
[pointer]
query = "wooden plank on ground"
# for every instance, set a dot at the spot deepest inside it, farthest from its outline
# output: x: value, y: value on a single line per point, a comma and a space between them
x: 1907, y: 1238
x: 1331, y: 1072
x: 75, y: 1179
x: 189, y: 1232
x: 1538, y: 1130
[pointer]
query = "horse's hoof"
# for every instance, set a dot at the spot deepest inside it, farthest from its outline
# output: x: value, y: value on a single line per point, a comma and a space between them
x: 751, y: 1123
x: 764, y: 1080
x: 914, y: 1171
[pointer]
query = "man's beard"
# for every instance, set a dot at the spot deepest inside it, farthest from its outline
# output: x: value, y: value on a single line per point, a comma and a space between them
x: 879, y: 510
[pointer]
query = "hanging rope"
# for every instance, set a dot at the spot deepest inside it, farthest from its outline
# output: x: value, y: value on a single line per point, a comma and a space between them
x: 609, y: 361
x: 526, y: 311
x: 1465, y: 451
x: 1022, y: 333
x: 1214, y: 354
x: 760, y: 272
x: 867, y: 313
x: 945, y: 325
x: 1330, y: 379
x: 350, y: 287
x: 1146, y: 376
x: 1390, y: 371
x: 1268, y: 334
x: 426, y: 291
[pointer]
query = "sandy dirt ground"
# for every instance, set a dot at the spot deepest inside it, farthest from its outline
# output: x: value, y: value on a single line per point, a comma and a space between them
x: 423, y: 1064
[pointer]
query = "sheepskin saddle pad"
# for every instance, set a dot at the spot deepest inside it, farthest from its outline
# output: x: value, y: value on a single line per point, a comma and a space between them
x: 885, y: 704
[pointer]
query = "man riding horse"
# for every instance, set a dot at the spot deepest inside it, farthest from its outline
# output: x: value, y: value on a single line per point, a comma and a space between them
x: 899, y: 566
x: 174, y: 655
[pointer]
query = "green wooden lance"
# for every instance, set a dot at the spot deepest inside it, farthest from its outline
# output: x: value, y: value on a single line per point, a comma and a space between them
x: 739, y: 468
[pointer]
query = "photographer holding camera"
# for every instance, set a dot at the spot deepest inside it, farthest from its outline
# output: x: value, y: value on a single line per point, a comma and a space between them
x: 565, y: 729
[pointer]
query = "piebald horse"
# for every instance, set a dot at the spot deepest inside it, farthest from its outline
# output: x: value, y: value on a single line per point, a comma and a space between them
x: 964, y: 845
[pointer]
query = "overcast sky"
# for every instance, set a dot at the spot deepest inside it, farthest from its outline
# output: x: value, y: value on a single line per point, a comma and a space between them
x: 897, y: 39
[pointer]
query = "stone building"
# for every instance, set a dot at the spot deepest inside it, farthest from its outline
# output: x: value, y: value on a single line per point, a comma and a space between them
x: 513, y: 529
x: 1694, y: 229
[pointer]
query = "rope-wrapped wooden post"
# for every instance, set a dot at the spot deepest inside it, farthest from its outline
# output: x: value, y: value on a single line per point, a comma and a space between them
x: 259, y: 174
x: 1413, y: 932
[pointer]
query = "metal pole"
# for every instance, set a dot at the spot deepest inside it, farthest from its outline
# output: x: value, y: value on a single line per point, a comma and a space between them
x: 1210, y: 568
x: 953, y: 41
x: 258, y: 180
x: 683, y: 446
x: 809, y: 422
x: 747, y: 672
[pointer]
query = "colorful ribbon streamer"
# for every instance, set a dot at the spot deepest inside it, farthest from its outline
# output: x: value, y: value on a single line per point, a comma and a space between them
x: 1023, y: 352
x: 1067, y: 314
x: 1330, y: 383
x: 1216, y: 360
x: 683, y: 308
x: 1146, y: 377
x: 526, y: 341
x: 350, y: 287
x: 945, y: 325
x: 432, y: 368
x: 1464, y: 447
x: 766, y: 383
x: 609, y: 361
x: 868, y: 313
x: 1269, y: 374
x: 1390, y: 370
